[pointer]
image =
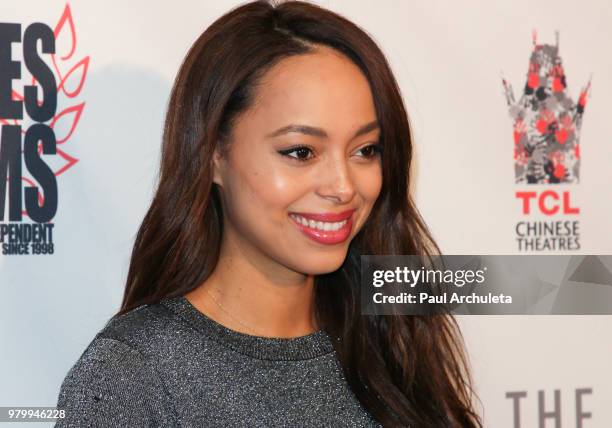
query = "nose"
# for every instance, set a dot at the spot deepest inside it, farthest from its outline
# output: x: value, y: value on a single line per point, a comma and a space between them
x: 336, y: 181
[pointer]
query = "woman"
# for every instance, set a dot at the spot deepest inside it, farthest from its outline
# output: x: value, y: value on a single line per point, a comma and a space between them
x: 286, y: 153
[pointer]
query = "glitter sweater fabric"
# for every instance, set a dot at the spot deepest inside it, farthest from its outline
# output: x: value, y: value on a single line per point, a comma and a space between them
x: 169, y: 365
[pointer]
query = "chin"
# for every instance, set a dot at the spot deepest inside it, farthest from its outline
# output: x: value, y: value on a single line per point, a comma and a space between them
x: 324, y: 264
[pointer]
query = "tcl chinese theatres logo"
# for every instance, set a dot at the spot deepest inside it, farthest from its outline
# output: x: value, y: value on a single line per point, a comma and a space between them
x: 546, y: 121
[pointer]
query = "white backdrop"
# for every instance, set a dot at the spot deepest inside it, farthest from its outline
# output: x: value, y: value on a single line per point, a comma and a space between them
x: 448, y: 58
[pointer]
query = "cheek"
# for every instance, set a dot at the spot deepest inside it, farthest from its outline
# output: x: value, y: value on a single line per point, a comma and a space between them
x: 266, y: 190
x: 369, y: 183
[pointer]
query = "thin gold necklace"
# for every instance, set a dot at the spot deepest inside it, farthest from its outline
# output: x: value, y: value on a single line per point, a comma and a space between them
x: 230, y: 315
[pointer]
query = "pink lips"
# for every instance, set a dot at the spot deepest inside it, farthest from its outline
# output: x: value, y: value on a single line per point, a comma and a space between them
x: 328, y: 237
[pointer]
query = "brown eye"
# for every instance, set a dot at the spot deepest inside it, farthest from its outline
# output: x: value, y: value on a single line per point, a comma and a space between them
x: 301, y: 153
x: 371, y: 151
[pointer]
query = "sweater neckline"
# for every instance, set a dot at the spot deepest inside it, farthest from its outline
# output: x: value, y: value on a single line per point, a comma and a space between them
x: 305, y: 347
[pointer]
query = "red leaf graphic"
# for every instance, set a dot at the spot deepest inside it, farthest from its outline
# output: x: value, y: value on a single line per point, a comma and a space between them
x: 81, y: 67
x: 71, y: 113
x: 70, y: 161
x: 59, y: 29
x: 65, y: 34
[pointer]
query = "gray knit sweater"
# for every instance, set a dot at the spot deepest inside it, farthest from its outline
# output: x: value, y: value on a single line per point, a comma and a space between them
x: 168, y: 364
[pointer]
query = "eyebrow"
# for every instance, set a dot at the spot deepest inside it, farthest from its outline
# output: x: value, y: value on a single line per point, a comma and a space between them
x: 318, y: 132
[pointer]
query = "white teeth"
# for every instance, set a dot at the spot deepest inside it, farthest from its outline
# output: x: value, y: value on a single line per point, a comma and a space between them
x: 320, y: 225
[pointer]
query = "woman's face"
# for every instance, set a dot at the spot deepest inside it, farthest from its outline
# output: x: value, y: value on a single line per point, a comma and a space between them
x: 302, y: 173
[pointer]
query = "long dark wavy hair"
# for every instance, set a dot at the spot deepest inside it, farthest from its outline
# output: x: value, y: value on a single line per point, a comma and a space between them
x: 405, y: 370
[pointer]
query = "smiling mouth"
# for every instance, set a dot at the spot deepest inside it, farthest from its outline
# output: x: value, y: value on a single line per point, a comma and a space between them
x: 323, y: 231
x: 319, y: 225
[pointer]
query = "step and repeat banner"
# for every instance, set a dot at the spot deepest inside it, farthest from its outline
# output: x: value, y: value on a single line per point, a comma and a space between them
x: 509, y: 104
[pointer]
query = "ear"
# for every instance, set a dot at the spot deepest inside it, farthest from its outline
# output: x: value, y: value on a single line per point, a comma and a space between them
x: 217, y: 165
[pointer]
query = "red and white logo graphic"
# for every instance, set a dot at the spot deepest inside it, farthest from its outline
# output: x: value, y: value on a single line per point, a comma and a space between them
x: 70, y: 72
x: 546, y: 121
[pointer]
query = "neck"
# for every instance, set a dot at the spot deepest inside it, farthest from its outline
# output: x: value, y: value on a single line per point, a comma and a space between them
x: 257, y: 296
